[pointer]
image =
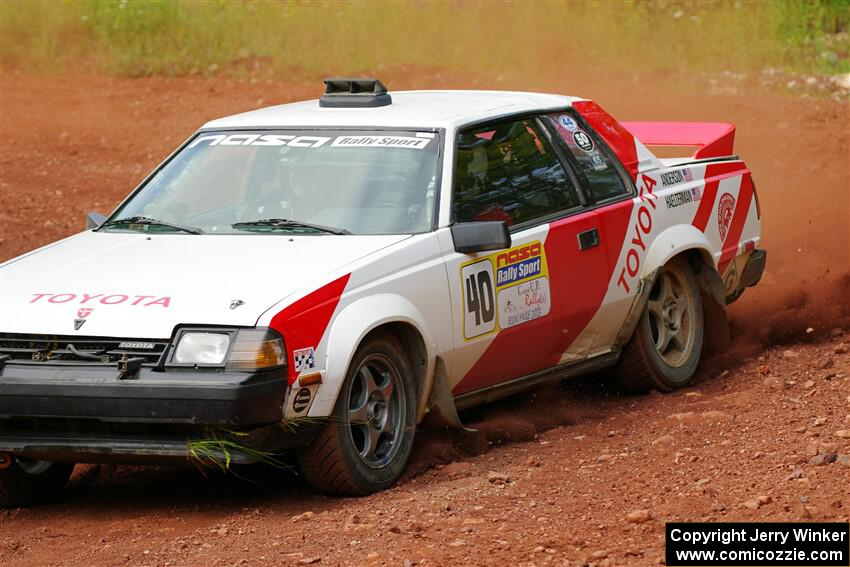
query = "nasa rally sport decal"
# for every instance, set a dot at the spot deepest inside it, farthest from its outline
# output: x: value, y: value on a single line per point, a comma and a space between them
x: 417, y: 143
x: 583, y: 141
x: 505, y: 289
x: 381, y: 142
x: 724, y: 214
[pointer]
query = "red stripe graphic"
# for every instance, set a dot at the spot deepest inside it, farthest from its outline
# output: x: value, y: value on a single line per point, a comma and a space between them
x: 579, y: 281
x: 304, y: 322
x: 706, y: 205
x: 736, y: 228
x: 713, y: 174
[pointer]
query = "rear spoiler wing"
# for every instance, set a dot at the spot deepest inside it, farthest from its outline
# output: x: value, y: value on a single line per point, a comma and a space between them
x: 714, y: 139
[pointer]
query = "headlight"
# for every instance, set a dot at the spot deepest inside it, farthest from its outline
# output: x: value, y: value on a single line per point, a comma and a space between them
x: 201, y: 348
x: 245, y: 349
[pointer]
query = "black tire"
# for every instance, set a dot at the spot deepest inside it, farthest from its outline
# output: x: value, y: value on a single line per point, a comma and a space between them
x: 27, y: 482
x: 665, y: 350
x: 356, y: 453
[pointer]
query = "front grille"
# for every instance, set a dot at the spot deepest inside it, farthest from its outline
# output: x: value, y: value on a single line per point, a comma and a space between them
x: 45, y: 349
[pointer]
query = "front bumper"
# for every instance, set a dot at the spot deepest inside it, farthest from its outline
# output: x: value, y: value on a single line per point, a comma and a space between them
x: 85, y: 413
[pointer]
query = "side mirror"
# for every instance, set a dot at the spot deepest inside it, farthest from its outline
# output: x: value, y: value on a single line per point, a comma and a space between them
x: 94, y: 220
x: 482, y: 236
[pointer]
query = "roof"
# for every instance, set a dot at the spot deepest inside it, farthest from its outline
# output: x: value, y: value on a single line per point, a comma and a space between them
x: 411, y: 109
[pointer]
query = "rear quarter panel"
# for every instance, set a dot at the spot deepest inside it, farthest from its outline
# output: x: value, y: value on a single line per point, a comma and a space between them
x: 707, y: 206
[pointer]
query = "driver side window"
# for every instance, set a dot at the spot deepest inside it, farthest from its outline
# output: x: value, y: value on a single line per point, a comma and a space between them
x: 509, y: 172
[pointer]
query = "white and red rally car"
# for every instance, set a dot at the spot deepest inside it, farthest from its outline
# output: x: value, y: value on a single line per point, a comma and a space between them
x: 318, y: 276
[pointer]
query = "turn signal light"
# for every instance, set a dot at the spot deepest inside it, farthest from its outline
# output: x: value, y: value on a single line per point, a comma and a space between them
x: 256, y: 349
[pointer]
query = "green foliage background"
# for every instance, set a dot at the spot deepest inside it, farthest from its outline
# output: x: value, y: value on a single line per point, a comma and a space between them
x: 307, y: 39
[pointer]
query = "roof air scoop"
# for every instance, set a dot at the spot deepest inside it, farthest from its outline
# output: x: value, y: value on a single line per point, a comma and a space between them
x: 354, y: 93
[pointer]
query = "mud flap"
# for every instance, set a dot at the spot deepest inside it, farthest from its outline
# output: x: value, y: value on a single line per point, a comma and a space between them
x: 713, y: 295
x: 441, y: 402
x: 635, y: 311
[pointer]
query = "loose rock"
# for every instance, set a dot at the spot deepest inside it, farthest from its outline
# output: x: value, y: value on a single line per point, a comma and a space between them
x: 533, y: 461
x: 795, y: 474
x: 639, y: 516
x: 456, y: 469
x: 498, y: 478
x: 823, y: 459
x: 302, y: 517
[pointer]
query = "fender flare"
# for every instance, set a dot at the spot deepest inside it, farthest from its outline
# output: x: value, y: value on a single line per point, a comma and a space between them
x: 672, y: 242
x: 347, y: 331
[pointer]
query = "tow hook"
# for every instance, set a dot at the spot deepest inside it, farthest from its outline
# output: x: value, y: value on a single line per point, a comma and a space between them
x: 5, y: 461
x: 129, y: 367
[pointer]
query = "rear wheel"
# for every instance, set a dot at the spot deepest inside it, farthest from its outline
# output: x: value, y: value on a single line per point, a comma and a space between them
x: 25, y: 482
x: 367, y: 442
x: 665, y: 350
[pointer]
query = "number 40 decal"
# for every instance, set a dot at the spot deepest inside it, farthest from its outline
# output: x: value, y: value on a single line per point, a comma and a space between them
x: 479, y: 310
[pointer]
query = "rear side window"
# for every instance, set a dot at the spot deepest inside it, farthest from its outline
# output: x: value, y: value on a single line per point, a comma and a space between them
x: 593, y: 164
x: 509, y: 172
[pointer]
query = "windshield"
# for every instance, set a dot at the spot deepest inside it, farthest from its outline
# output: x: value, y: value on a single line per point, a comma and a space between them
x: 304, y: 182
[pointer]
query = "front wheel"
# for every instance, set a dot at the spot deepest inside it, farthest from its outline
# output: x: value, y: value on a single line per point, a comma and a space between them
x: 368, y: 439
x: 26, y: 482
x: 666, y: 347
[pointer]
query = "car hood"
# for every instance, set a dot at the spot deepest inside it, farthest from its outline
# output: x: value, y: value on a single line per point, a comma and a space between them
x: 141, y: 286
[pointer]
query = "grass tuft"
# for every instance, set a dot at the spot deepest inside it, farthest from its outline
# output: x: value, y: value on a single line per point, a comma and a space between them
x: 304, y: 40
x: 217, y: 449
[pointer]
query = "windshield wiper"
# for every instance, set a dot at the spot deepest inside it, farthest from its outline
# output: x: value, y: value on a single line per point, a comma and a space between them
x: 287, y: 223
x: 151, y: 222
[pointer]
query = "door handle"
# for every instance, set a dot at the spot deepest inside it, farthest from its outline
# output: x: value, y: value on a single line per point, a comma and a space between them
x: 588, y: 239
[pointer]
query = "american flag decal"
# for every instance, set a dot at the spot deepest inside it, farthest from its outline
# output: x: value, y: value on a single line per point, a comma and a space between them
x: 696, y: 193
x: 688, y: 174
